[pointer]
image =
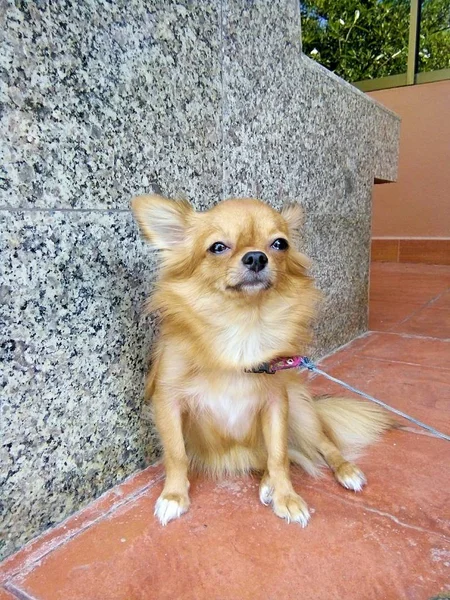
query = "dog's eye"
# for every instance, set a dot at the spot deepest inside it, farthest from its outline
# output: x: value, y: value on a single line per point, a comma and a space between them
x: 280, y: 244
x: 218, y: 248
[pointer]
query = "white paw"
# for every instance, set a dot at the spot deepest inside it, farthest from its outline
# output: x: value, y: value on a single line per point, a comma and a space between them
x: 170, y: 506
x: 265, y: 493
x: 292, y: 508
x: 351, y: 477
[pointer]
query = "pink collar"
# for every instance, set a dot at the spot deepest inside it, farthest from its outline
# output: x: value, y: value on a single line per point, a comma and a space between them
x: 278, y: 364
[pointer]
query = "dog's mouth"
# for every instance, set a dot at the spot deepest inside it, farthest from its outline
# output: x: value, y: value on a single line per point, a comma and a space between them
x: 251, y: 285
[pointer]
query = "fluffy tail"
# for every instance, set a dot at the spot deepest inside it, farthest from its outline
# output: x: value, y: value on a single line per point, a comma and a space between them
x: 352, y: 424
x: 348, y: 424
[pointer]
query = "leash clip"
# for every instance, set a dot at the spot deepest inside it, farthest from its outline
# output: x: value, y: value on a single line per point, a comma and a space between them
x: 307, y: 363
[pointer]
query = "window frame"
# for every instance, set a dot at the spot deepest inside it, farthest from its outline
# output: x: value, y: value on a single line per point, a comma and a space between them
x: 411, y: 77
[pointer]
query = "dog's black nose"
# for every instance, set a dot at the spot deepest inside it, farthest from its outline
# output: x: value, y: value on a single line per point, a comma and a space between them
x: 255, y: 261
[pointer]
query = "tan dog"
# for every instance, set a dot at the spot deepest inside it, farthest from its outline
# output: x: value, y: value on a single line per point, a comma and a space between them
x: 233, y: 294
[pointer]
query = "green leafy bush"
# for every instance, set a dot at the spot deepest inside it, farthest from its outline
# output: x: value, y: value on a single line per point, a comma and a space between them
x: 367, y: 39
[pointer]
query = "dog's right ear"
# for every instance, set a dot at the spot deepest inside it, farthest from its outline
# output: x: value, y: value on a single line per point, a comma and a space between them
x: 163, y: 222
x: 293, y: 215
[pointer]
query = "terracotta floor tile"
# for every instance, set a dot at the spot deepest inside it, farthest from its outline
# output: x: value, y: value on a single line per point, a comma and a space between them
x: 229, y: 546
x: 433, y: 252
x: 430, y: 321
x: 384, y: 250
x: 408, y: 349
x: 417, y: 461
x: 384, y: 269
x: 401, y: 469
x: 393, y: 282
x: 443, y: 301
x: 422, y: 393
x: 346, y: 352
x: 52, y: 538
x: 384, y: 315
x: 410, y: 293
x: 383, y: 272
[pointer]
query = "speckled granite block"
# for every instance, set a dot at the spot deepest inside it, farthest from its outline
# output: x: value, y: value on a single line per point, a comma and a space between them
x: 379, y: 127
x: 100, y: 99
x: 294, y: 131
x: 339, y: 246
x: 74, y: 349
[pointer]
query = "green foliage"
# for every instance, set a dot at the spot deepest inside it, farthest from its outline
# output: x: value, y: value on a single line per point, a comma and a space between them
x: 366, y: 39
x: 434, y: 41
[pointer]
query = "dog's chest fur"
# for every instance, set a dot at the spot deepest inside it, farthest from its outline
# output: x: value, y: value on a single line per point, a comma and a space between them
x: 230, y: 402
x: 228, y: 398
x: 246, y: 339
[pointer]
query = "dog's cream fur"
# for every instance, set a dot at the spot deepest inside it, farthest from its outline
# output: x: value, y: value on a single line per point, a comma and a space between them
x: 218, y: 319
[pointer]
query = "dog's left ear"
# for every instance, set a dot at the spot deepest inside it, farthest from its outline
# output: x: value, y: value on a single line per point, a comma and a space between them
x: 293, y: 215
x: 163, y: 222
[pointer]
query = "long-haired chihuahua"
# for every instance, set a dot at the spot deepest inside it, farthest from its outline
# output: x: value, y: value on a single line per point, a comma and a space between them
x: 234, y: 297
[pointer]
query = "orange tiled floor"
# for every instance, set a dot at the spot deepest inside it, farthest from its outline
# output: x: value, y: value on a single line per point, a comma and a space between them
x: 390, y: 542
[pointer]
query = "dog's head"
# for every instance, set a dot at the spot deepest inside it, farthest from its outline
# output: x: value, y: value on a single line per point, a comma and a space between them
x: 241, y: 248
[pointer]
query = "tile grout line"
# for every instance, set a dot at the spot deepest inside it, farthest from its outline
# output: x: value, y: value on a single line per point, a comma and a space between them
x: 415, y: 312
x: 436, y: 298
x: 402, y: 362
x: 417, y: 431
x: 358, y: 352
x: 30, y: 565
x: 370, y: 331
x: 64, y: 210
x: 18, y: 593
x: 381, y: 513
x: 410, y: 335
x: 362, y: 336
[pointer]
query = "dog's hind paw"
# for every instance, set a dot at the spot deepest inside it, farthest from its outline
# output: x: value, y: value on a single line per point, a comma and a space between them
x: 170, y: 506
x: 292, y: 508
x: 350, y: 477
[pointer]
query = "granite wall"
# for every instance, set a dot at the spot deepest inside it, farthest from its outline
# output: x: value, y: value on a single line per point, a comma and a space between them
x: 102, y: 100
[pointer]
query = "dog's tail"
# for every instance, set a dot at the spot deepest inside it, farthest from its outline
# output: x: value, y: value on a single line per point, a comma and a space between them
x: 352, y: 424
x: 349, y: 424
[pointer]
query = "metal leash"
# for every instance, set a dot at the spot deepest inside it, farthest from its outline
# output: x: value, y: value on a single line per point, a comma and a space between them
x: 308, y: 364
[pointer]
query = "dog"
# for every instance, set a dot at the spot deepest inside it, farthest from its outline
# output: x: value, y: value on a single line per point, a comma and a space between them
x: 233, y: 294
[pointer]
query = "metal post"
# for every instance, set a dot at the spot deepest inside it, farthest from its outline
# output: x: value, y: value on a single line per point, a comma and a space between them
x: 414, y: 25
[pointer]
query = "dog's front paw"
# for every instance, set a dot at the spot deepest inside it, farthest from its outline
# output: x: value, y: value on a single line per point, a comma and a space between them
x: 170, y: 506
x: 291, y: 507
x: 350, y: 477
x: 265, y: 492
